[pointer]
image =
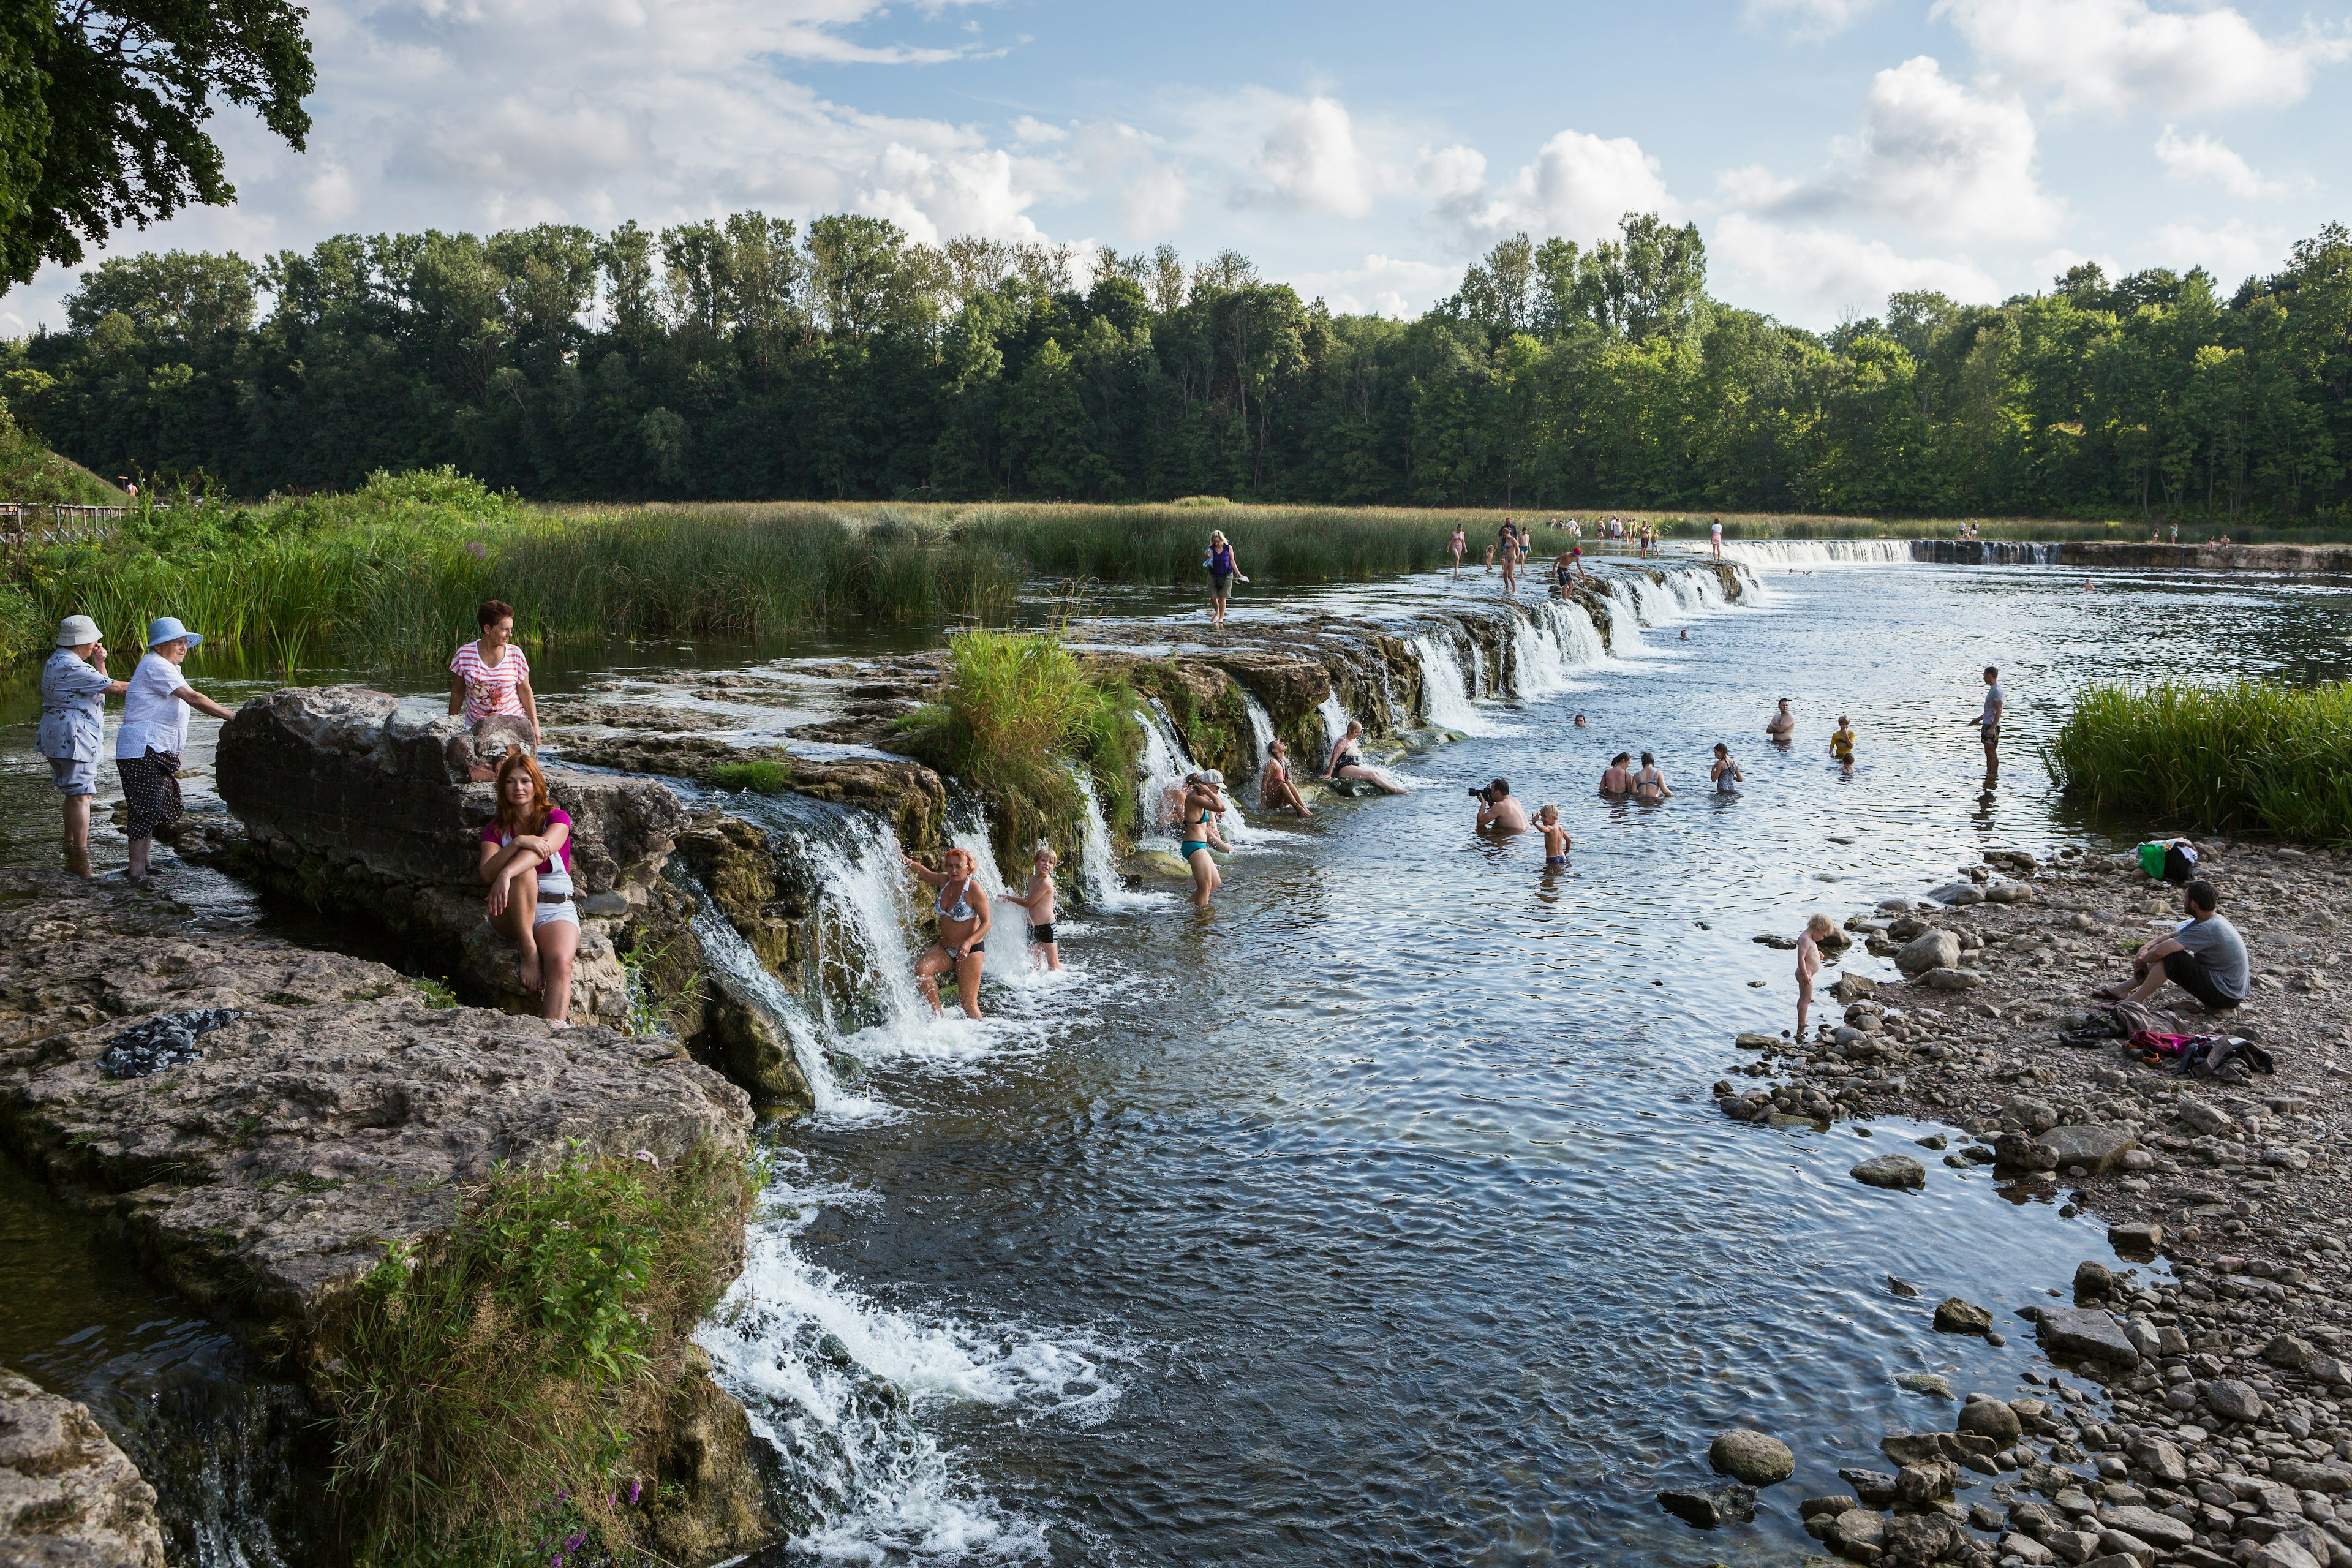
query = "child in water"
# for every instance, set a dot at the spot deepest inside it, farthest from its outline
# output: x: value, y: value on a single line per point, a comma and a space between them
x: 1809, y: 964
x: 1039, y: 901
x: 1841, y: 743
x: 1555, y: 837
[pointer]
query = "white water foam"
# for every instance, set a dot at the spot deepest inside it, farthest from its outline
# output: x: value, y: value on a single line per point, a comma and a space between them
x: 1443, y: 700
x: 1166, y: 761
x: 1818, y: 552
x: 1261, y: 727
x: 1334, y: 725
x: 835, y: 1383
x: 724, y: 948
x: 1098, y: 870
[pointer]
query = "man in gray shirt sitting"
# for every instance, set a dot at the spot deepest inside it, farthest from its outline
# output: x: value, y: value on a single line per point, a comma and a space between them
x: 2205, y: 956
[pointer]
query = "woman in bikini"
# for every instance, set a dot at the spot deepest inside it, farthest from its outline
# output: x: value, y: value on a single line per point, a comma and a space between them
x: 1618, y: 779
x: 1204, y: 803
x: 1726, y: 774
x: 1347, y: 761
x: 964, y: 914
x: 1650, y: 784
x: 1276, y: 792
x: 1460, y: 542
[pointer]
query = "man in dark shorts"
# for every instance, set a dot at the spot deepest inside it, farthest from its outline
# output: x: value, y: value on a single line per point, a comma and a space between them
x: 1988, y: 723
x: 2205, y: 956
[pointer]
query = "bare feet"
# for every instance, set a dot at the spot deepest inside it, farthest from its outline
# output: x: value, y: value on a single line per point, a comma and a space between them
x: 531, y: 967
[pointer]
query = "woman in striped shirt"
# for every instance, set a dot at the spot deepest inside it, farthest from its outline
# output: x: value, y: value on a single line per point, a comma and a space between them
x: 491, y: 676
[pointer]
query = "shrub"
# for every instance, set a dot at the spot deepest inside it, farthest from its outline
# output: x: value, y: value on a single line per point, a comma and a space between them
x: 765, y: 776
x: 2246, y: 755
x: 513, y: 1374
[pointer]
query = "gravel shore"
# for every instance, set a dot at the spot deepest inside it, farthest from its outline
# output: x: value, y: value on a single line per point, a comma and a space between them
x: 2202, y: 1415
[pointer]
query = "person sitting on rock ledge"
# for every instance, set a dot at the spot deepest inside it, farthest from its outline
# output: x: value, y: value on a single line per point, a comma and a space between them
x: 1276, y: 792
x: 489, y: 678
x: 2205, y: 956
x: 526, y: 857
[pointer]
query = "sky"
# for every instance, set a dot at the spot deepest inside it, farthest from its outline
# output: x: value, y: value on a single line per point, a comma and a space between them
x: 1830, y: 151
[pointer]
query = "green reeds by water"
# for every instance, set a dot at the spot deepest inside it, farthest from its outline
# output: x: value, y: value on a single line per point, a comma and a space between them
x: 2247, y: 756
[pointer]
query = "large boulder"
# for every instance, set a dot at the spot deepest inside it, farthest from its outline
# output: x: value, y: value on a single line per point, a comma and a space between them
x: 2084, y: 1333
x: 2093, y: 1147
x: 1928, y: 950
x: 360, y: 807
x: 1751, y: 1457
x: 68, y: 1497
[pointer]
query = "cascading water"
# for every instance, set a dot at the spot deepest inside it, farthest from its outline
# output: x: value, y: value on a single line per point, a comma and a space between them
x: 1164, y: 766
x: 726, y: 951
x: 1335, y: 724
x: 1817, y: 552
x: 1261, y: 727
x: 1625, y: 621
x: 1442, y: 699
x: 1098, y: 878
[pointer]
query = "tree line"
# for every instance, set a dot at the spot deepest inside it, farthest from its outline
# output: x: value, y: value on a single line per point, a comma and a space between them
x: 749, y: 359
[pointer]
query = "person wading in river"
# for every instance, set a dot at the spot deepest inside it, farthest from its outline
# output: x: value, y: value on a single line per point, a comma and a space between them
x: 526, y: 857
x: 1650, y: 784
x: 1499, y: 810
x: 1618, y: 778
x: 1988, y: 723
x: 1781, y: 728
x: 963, y: 909
x: 74, y: 690
x: 1809, y: 964
x: 1725, y: 772
x: 1459, y: 542
x: 1276, y: 792
x: 154, y: 733
x: 1203, y: 803
x: 489, y: 678
x: 1223, y: 572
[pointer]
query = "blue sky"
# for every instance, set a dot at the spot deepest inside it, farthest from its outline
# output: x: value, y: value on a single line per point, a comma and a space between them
x: 1829, y: 150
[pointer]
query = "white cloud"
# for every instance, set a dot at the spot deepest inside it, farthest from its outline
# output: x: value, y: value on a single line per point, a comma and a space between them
x: 2109, y: 54
x: 1381, y: 285
x: 2232, y: 252
x: 1309, y: 161
x: 1826, y: 274
x: 1578, y: 186
x: 2201, y: 157
x: 1934, y: 157
x: 1806, y: 18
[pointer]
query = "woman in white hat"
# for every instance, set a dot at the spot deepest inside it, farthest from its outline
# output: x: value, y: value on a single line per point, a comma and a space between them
x: 74, y: 690
x: 154, y: 732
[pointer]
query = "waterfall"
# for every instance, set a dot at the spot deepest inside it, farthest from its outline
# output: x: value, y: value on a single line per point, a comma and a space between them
x: 1817, y: 552
x: 1572, y: 628
x: 1335, y: 724
x: 967, y: 832
x: 724, y: 949
x: 1442, y: 700
x: 1625, y: 619
x: 1261, y: 726
x: 865, y: 980
x: 1165, y: 764
x: 1098, y: 878
x: 1398, y: 720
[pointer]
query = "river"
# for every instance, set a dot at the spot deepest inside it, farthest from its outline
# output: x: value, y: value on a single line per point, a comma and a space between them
x: 1382, y: 1214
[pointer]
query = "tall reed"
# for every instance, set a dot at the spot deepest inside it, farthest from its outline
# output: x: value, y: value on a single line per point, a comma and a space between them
x: 2246, y: 756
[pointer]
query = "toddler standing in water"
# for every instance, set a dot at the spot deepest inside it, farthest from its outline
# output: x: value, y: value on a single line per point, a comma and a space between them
x: 1555, y: 838
x: 1841, y: 743
x: 1809, y: 964
x: 1039, y: 901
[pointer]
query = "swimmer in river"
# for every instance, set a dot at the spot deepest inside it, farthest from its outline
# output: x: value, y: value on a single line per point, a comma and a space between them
x: 1841, y: 743
x: 1038, y: 900
x: 1781, y: 728
x: 1276, y: 792
x: 1498, y: 812
x: 1555, y: 837
x: 1204, y: 803
x: 1650, y: 784
x: 1685, y: 634
x: 1347, y: 761
x: 1809, y: 964
x: 964, y: 921
x: 1580, y: 721
x: 1617, y: 778
x: 1726, y: 774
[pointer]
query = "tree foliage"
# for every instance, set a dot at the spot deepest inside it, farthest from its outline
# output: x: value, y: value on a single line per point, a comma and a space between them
x: 754, y: 358
x: 104, y: 105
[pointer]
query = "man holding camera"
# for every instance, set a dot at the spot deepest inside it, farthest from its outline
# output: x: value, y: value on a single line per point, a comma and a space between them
x: 1497, y: 811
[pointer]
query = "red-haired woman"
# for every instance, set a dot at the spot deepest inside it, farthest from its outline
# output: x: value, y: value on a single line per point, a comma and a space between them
x: 527, y: 860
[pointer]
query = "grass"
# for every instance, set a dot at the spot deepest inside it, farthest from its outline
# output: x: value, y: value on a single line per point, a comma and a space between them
x: 493, y: 1401
x: 1018, y: 715
x: 2247, y: 756
x: 765, y: 776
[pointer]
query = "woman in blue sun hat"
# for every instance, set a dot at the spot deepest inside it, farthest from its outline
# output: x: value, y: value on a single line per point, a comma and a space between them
x: 154, y: 732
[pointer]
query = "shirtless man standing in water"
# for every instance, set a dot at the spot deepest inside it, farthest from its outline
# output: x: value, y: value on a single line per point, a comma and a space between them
x: 1781, y: 728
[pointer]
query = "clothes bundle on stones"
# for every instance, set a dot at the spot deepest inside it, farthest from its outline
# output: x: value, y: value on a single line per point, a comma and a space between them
x: 165, y: 1040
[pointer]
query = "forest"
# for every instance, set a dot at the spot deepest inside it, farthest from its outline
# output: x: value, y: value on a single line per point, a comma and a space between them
x: 753, y: 359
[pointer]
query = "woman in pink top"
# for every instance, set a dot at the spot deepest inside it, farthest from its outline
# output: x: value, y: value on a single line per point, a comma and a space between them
x: 527, y: 860
x: 491, y: 676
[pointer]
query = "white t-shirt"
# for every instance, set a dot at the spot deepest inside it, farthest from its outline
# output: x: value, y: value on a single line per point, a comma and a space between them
x: 153, y: 714
x: 1993, y: 700
x: 1715, y: 530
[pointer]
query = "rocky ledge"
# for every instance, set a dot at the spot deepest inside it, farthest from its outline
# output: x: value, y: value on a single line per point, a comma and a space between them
x: 328, y: 1111
x: 2202, y: 1417
x: 68, y: 1497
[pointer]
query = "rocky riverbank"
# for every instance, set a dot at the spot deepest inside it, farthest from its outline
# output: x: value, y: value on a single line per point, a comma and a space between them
x: 2205, y: 1416
x: 262, y: 1125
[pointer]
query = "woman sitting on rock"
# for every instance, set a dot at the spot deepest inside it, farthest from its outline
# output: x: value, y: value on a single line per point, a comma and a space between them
x: 527, y: 860
x: 964, y: 920
x: 1347, y: 761
x: 489, y: 678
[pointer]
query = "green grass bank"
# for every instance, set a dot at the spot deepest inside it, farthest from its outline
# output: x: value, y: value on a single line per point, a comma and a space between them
x: 2249, y: 756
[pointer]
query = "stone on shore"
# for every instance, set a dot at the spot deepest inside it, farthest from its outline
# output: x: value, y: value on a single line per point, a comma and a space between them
x: 1955, y: 1316
x: 68, y: 1497
x: 1896, y: 1171
x: 1984, y: 1416
x: 2233, y: 1400
x: 2084, y: 1333
x: 1751, y: 1457
x: 2096, y: 1147
x: 1928, y: 950
x: 1951, y: 979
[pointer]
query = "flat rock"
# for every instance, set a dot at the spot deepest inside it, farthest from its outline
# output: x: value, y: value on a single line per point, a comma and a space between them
x: 1704, y: 1507
x: 1951, y: 979
x: 1955, y: 1316
x: 1751, y: 1457
x: 2155, y: 1528
x: 1897, y: 1172
x: 2330, y: 1476
x: 2095, y: 1147
x: 2086, y: 1333
x: 2137, y: 1238
x: 1960, y: 895
x: 1755, y: 1042
x: 68, y: 1497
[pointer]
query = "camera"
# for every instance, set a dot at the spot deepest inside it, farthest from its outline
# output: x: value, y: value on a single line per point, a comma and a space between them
x: 1482, y: 793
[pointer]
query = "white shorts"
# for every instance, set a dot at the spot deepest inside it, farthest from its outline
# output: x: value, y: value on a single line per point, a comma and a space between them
x: 569, y: 909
